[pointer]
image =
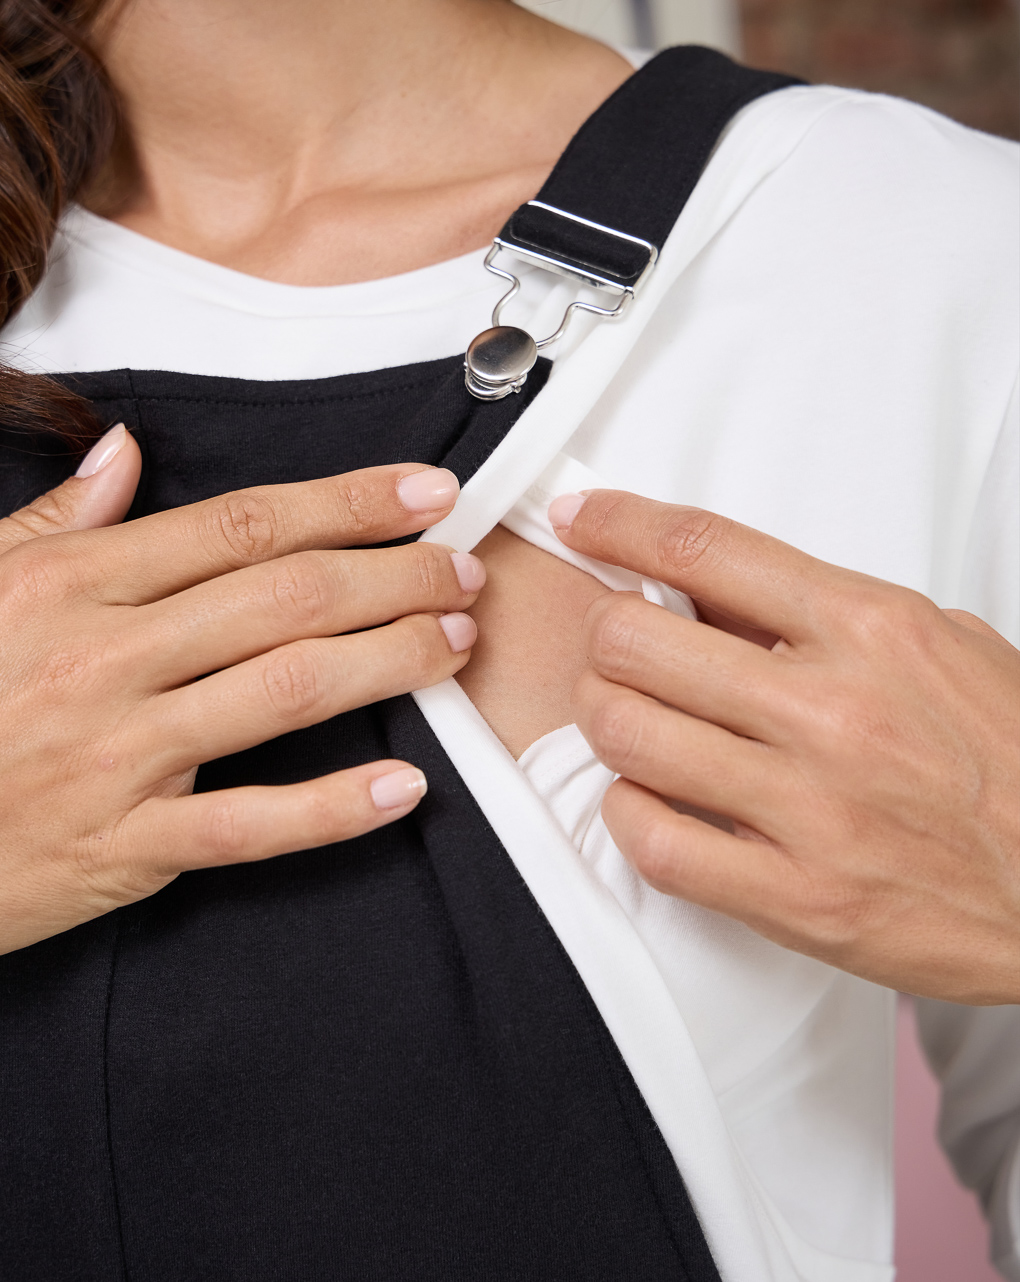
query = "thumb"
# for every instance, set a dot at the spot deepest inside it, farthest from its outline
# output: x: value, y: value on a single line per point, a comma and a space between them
x: 99, y: 493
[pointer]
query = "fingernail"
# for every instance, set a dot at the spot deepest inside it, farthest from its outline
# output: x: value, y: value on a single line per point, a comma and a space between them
x: 398, y: 789
x: 469, y: 570
x: 429, y: 490
x: 460, y: 631
x: 103, y: 450
x: 563, y: 510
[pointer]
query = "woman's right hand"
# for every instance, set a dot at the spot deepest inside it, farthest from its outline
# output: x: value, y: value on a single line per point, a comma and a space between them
x: 134, y: 653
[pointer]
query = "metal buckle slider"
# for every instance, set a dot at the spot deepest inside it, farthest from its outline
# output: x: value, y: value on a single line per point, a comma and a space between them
x: 499, y: 359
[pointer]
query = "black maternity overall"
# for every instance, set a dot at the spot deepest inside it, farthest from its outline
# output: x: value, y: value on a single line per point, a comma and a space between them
x: 372, y: 1061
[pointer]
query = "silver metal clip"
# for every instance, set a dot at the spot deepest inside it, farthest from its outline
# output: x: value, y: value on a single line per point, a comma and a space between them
x: 499, y: 359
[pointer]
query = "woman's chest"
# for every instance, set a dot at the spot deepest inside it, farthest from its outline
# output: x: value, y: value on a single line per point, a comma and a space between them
x: 530, y: 646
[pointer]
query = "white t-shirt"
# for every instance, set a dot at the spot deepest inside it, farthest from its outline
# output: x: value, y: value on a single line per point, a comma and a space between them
x: 832, y: 358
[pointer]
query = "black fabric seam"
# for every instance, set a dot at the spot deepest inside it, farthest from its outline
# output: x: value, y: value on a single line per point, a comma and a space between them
x: 117, y: 1215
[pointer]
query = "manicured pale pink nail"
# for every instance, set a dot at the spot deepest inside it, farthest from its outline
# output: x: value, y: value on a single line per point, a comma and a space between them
x: 102, y: 452
x: 460, y: 631
x: 429, y: 490
x: 469, y: 570
x: 401, y: 788
x: 563, y: 510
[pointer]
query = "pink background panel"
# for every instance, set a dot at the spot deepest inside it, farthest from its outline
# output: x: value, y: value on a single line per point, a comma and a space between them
x: 941, y: 1235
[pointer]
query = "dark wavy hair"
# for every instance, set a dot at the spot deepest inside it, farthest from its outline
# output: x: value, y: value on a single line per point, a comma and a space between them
x: 58, y: 120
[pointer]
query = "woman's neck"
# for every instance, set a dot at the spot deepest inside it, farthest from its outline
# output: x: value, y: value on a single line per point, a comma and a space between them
x: 326, y: 141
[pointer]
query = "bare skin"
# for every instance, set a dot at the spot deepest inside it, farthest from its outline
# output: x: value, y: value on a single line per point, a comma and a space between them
x: 530, y: 648
x: 327, y: 141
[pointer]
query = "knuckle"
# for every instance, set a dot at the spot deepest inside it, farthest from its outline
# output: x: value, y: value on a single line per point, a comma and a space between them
x: 615, y: 731
x: 356, y: 500
x: 425, y: 648
x: 303, y: 589
x: 884, y: 616
x: 430, y: 571
x: 687, y: 538
x: 836, y: 712
x: 93, y: 863
x: 37, y: 573
x: 652, y: 851
x: 968, y: 620
x: 601, y: 514
x: 224, y: 834
x: 832, y: 915
x: 110, y: 871
x: 51, y: 513
x: 246, y: 523
x: 612, y: 633
x: 322, y: 816
x: 844, y: 724
x: 291, y: 682
x: 917, y: 620
x: 70, y: 664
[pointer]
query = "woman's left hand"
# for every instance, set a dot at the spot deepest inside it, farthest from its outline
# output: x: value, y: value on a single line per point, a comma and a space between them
x: 869, y: 760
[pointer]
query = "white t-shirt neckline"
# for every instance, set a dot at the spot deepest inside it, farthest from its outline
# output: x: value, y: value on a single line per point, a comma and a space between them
x: 174, y: 269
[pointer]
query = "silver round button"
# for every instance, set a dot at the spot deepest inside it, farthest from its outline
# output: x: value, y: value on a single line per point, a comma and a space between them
x: 498, y: 362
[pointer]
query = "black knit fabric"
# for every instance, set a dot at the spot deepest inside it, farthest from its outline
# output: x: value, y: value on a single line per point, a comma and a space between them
x: 370, y: 1061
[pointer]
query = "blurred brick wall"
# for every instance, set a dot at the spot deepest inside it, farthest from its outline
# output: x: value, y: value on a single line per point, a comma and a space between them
x: 961, y: 57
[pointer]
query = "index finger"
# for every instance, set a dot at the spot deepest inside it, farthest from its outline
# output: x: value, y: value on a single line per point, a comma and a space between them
x: 155, y: 556
x: 747, y: 575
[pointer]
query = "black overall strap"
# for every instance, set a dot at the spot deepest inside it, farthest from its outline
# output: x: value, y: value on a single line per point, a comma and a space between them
x: 614, y: 196
x: 632, y: 166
